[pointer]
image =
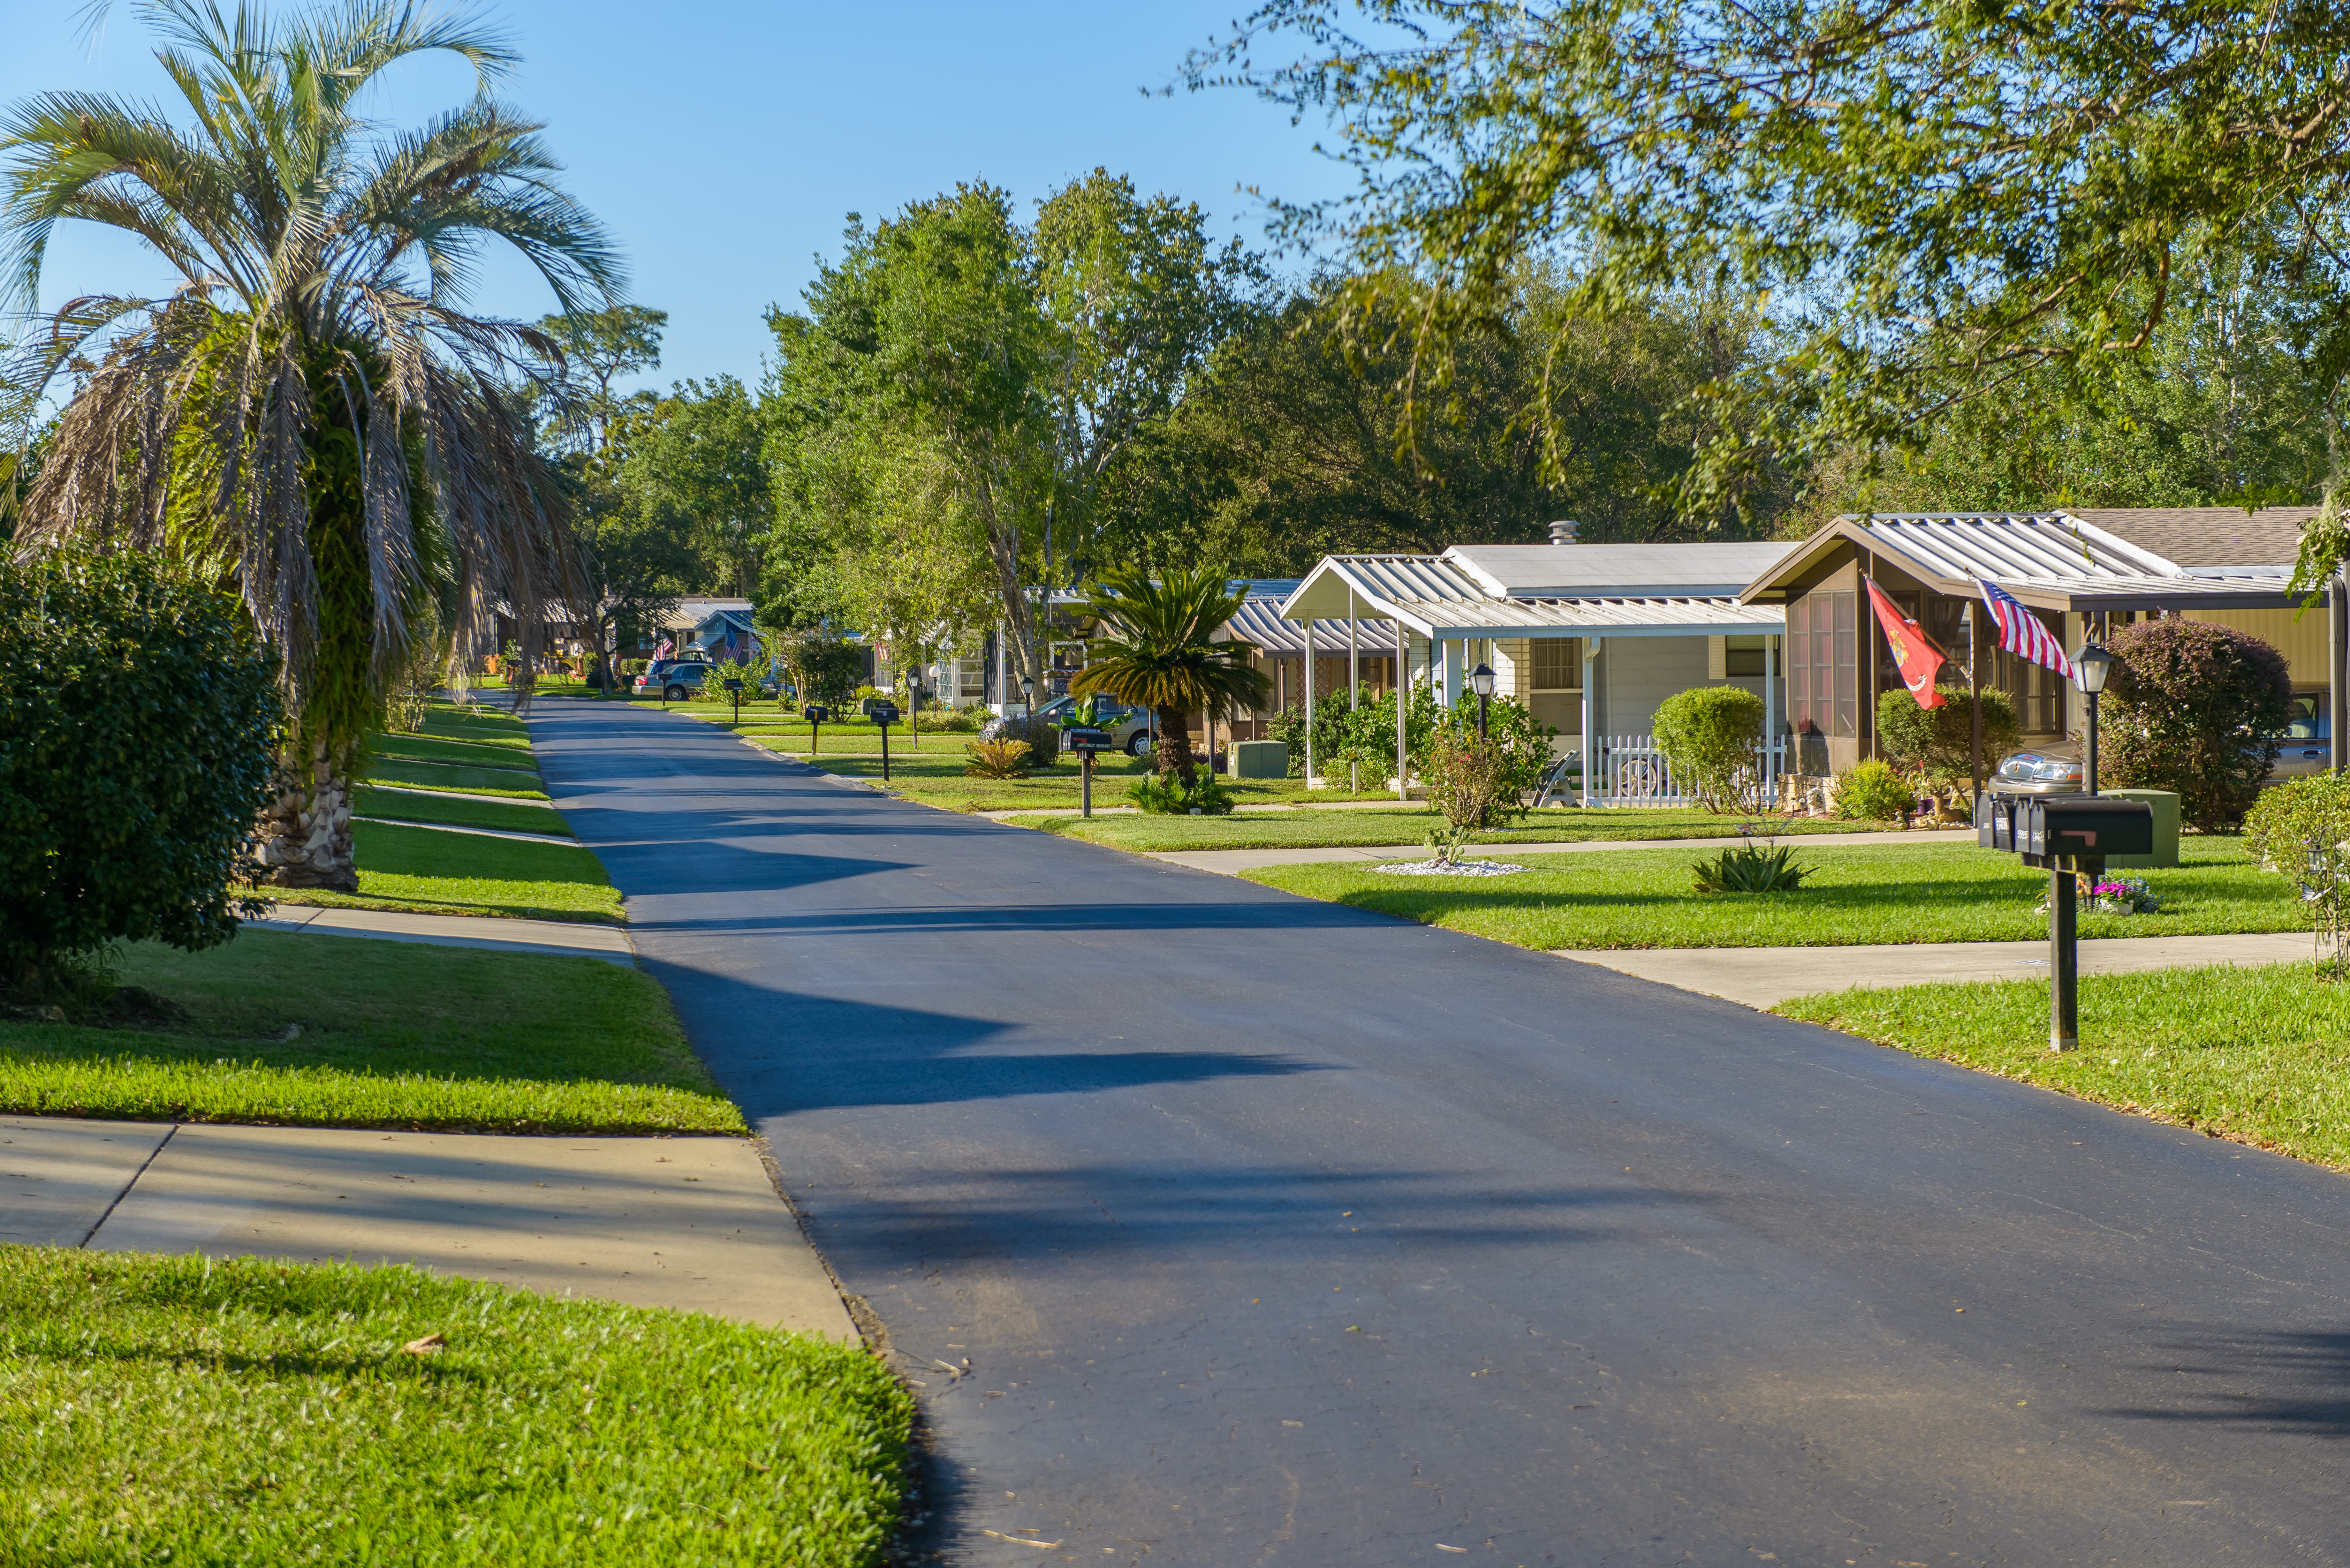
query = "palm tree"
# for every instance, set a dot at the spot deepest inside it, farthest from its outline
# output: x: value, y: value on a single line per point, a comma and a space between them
x: 1161, y: 653
x: 312, y: 418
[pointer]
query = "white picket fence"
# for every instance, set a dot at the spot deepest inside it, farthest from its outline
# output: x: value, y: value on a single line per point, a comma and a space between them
x: 1632, y: 771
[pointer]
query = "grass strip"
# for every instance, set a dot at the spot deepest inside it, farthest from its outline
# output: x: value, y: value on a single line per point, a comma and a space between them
x: 516, y: 816
x: 246, y: 1411
x: 1403, y: 825
x: 1858, y: 894
x: 934, y: 776
x: 505, y: 782
x: 424, y: 872
x: 2260, y: 1055
x: 462, y: 753
x: 383, y: 1034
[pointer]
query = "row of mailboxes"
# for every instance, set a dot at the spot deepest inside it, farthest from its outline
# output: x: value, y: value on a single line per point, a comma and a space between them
x: 1086, y: 741
x: 2042, y: 827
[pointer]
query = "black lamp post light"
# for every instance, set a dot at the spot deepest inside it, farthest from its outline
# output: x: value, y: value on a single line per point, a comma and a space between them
x: 1481, y: 682
x: 2090, y: 667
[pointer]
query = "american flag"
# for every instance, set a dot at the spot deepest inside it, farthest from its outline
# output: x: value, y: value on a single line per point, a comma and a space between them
x: 2022, y: 633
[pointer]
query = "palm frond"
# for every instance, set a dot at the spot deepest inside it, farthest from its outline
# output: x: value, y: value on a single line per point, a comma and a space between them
x: 324, y: 264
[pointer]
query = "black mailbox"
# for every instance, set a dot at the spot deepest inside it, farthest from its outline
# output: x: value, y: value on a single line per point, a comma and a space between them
x: 2040, y: 827
x: 1084, y: 739
x: 818, y: 714
x: 733, y: 686
x: 881, y: 712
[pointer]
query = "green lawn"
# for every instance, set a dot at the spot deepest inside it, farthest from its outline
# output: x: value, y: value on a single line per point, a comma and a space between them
x: 168, y: 1409
x: 460, y: 754
x: 392, y: 1034
x: 1890, y: 893
x: 509, y: 782
x: 935, y: 776
x: 505, y: 816
x: 434, y: 873
x: 2261, y: 1055
x: 1402, y: 825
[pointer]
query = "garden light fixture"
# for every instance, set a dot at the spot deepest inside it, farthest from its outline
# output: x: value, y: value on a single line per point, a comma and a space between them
x: 1481, y: 682
x: 2090, y: 667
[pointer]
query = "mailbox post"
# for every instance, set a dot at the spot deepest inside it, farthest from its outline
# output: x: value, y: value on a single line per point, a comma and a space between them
x: 816, y: 714
x: 734, y: 695
x: 1089, y: 743
x: 884, y: 714
x: 2071, y: 834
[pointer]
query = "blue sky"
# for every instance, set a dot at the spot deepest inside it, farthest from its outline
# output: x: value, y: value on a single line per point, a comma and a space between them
x: 724, y: 142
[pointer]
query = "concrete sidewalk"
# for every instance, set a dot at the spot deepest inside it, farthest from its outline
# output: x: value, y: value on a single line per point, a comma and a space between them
x: 690, y: 1223
x: 1765, y: 977
x: 571, y: 938
x: 1231, y: 862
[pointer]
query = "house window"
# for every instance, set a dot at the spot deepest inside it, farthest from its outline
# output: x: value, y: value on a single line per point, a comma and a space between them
x: 1823, y: 688
x: 1557, y: 663
x: 1741, y: 656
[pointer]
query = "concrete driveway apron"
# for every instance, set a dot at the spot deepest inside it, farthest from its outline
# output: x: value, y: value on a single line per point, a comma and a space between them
x: 1222, y: 1227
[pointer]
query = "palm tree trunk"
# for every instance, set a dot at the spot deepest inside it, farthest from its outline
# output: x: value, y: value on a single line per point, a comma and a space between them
x: 1173, y: 754
x: 305, y: 832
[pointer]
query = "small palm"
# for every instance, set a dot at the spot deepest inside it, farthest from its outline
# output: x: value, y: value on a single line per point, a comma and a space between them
x: 1161, y: 652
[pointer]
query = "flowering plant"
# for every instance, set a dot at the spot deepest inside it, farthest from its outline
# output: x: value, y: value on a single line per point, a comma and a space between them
x: 2119, y: 895
x: 2108, y: 894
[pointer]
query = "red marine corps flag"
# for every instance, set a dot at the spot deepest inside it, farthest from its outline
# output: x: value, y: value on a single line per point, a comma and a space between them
x: 1913, y: 650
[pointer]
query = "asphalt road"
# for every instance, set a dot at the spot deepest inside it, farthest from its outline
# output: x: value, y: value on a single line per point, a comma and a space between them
x: 1274, y: 1232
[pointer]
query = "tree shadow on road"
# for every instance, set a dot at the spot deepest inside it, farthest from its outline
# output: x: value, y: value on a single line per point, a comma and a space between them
x: 2281, y: 1380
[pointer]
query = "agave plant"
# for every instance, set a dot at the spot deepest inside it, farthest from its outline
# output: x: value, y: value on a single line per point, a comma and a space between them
x: 313, y: 418
x: 1162, y: 652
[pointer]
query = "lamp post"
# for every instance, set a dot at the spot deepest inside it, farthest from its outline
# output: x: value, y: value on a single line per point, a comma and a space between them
x: 1481, y: 682
x: 1028, y: 694
x: 2090, y: 667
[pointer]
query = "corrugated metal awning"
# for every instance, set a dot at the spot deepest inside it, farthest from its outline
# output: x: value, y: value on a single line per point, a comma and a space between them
x: 1661, y: 617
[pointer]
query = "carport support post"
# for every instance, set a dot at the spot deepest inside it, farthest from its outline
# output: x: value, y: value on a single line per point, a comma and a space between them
x: 1590, y: 741
x: 1309, y: 704
x: 1974, y: 700
x: 1769, y: 723
x: 2337, y: 622
x: 1402, y: 684
x: 2064, y: 956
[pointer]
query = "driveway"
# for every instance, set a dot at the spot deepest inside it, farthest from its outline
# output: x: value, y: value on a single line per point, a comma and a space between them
x: 1262, y: 1231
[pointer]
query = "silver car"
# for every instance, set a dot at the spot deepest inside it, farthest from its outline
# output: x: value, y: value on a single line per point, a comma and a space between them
x: 2304, y: 749
x: 1128, y: 727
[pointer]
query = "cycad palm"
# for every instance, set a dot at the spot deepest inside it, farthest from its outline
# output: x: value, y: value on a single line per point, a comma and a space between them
x: 313, y: 416
x: 1162, y: 653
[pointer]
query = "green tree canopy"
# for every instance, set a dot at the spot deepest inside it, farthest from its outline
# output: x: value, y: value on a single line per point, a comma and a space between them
x: 1935, y: 197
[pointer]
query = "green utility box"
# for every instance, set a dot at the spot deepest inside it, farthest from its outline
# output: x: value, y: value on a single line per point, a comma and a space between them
x: 1270, y: 760
x: 2165, y: 806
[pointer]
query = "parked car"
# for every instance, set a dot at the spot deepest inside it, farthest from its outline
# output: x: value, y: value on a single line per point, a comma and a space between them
x: 2306, y: 747
x: 675, y: 679
x: 1128, y: 727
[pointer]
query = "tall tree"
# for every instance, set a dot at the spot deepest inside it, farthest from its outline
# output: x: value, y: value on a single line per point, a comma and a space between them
x: 1134, y: 297
x: 696, y: 459
x: 1938, y: 196
x: 600, y: 348
x: 313, y: 409
x: 1032, y: 360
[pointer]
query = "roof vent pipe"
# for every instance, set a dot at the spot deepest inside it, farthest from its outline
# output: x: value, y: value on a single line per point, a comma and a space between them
x: 1562, y: 533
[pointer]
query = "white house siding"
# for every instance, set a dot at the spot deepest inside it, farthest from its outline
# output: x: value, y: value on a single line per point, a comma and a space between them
x: 1636, y: 674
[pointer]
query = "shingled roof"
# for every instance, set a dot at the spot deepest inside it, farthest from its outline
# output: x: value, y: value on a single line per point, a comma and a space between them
x: 2206, y: 537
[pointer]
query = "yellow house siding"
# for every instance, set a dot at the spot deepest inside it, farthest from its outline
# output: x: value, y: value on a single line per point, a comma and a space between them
x: 2302, y: 643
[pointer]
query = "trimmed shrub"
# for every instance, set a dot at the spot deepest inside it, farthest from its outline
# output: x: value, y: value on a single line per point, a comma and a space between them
x: 138, y: 717
x: 1874, y: 790
x: 1939, y: 741
x: 1709, y: 734
x: 1467, y: 782
x: 2196, y: 709
x: 1042, y: 737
